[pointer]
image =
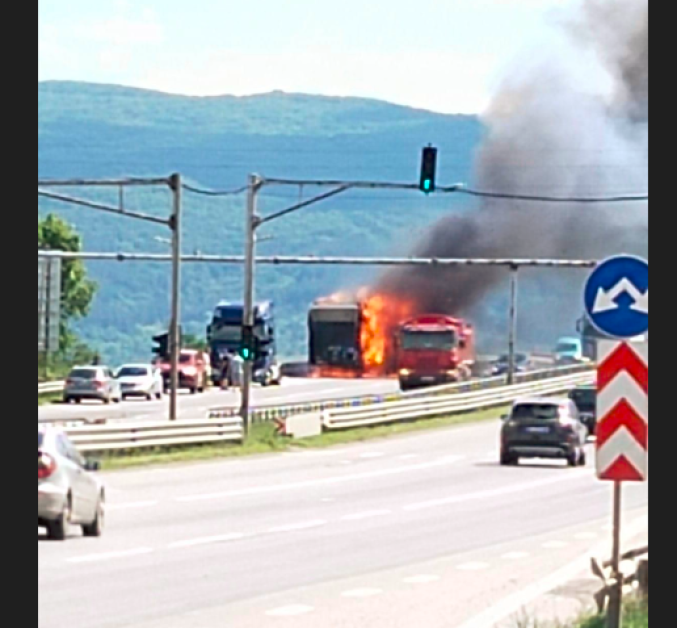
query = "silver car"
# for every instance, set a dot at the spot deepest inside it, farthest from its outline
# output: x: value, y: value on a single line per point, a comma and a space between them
x: 68, y: 491
x: 140, y: 380
x: 92, y: 382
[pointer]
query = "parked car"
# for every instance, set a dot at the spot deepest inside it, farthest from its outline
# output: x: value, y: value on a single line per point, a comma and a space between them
x: 585, y: 398
x: 544, y: 428
x: 92, y: 382
x: 139, y: 380
x: 68, y: 491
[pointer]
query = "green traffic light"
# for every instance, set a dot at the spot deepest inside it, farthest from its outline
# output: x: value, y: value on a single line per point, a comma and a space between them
x: 427, y: 186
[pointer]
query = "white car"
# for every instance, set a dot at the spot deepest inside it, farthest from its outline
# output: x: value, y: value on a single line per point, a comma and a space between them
x: 141, y: 380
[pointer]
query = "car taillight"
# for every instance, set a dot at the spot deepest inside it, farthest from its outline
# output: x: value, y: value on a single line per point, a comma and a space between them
x: 99, y: 384
x: 46, y: 466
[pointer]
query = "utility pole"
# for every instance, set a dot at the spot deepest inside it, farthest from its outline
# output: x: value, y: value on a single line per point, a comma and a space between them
x: 252, y: 224
x: 176, y: 186
x: 514, y: 288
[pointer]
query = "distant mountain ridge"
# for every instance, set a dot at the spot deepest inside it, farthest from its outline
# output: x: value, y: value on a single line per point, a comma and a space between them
x: 87, y: 130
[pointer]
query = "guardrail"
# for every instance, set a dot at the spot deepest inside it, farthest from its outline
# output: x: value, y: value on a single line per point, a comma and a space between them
x: 446, y: 405
x: 403, y: 407
x: 276, y: 412
x: 127, y: 437
x: 50, y: 388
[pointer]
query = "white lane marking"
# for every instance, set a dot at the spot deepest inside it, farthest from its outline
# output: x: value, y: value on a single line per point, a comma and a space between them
x: 422, y: 579
x: 362, y: 593
x: 342, y: 479
x: 515, y: 603
x: 473, y: 567
x: 298, y: 527
x: 290, y: 611
x: 361, y: 516
x: 406, y: 457
x: 132, y: 506
x: 500, y: 492
x: 372, y: 455
x: 586, y: 536
x: 328, y: 500
x: 515, y: 556
x: 553, y: 545
x: 95, y: 558
x: 213, y: 540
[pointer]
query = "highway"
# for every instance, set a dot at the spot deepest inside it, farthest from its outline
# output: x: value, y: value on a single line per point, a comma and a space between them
x: 423, y: 530
x: 196, y: 407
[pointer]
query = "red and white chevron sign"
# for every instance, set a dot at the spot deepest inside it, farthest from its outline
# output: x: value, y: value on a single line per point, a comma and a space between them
x: 623, y: 411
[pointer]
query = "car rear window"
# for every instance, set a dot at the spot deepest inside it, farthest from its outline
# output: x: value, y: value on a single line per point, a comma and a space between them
x: 87, y: 374
x: 536, y: 412
x: 134, y: 372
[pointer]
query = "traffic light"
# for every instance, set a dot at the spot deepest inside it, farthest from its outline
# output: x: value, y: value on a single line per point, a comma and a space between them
x: 162, y: 348
x: 248, y: 345
x: 429, y: 170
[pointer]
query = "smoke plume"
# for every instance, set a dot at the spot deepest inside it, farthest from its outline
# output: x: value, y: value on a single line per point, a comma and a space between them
x: 549, y: 136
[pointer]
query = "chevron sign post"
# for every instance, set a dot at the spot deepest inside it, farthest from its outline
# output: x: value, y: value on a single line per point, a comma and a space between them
x: 617, y: 303
x: 623, y: 411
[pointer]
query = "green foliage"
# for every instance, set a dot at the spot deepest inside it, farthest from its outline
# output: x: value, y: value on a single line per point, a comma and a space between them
x: 54, y: 234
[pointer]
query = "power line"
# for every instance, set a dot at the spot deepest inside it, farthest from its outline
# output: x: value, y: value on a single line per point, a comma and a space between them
x: 552, y: 199
x: 215, y: 193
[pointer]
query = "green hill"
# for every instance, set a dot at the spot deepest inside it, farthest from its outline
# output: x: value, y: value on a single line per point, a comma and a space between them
x: 87, y: 131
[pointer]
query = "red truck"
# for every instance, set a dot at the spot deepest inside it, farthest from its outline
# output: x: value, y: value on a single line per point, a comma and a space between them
x: 194, y: 371
x: 435, y: 350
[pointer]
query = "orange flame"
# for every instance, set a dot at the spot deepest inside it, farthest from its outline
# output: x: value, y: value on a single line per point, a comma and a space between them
x: 382, y: 314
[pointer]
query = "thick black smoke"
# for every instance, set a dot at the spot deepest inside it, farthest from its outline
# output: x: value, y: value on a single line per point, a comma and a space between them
x: 547, y: 136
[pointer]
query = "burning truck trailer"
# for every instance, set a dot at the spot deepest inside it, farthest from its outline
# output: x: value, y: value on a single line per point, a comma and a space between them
x: 379, y: 336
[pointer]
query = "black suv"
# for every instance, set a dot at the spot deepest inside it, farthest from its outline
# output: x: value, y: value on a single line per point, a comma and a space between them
x: 585, y: 398
x: 544, y: 428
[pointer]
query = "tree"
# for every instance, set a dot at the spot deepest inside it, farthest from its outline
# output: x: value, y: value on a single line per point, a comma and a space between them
x: 78, y: 291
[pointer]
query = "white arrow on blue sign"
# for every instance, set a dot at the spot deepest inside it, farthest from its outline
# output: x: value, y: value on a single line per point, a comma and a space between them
x: 617, y: 297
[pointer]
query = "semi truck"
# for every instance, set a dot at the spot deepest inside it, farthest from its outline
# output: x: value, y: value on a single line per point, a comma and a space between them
x: 434, y: 350
x: 224, y: 336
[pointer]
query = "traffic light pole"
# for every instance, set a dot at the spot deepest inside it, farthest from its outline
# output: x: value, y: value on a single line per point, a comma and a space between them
x: 175, y: 328
x: 252, y: 224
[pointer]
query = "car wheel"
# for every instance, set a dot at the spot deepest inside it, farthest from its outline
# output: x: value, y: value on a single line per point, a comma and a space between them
x: 58, y: 530
x: 78, y: 401
x: 95, y: 529
x: 574, y: 458
x: 509, y: 460
x: 583, y: 460
x: 158, y: 396
x: 149, y: 397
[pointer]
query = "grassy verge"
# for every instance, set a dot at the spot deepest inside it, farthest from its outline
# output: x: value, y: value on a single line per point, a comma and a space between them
x: 264, y: 440
x: 636, y: 615
x: 46, y: 400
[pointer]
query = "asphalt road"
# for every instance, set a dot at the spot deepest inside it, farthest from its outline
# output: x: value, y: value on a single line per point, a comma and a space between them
x: 196, y: 407
x: 424, y: 530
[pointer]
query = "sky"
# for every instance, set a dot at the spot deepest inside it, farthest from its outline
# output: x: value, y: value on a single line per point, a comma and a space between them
x: 441, y: 55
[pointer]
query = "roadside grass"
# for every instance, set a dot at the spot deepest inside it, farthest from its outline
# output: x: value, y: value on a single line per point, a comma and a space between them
x: 635, y: 615
x: 265, y: 440
x: 48, y: 400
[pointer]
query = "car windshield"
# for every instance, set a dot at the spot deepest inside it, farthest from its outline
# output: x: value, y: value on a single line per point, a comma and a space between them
x: 86, y: 374
x: 536, y: 412
x: 566, y: 347
x: 134, y: 371
x: 420, y: 340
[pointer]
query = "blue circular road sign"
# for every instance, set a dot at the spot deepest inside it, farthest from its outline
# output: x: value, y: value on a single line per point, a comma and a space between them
x: 617, y: 297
